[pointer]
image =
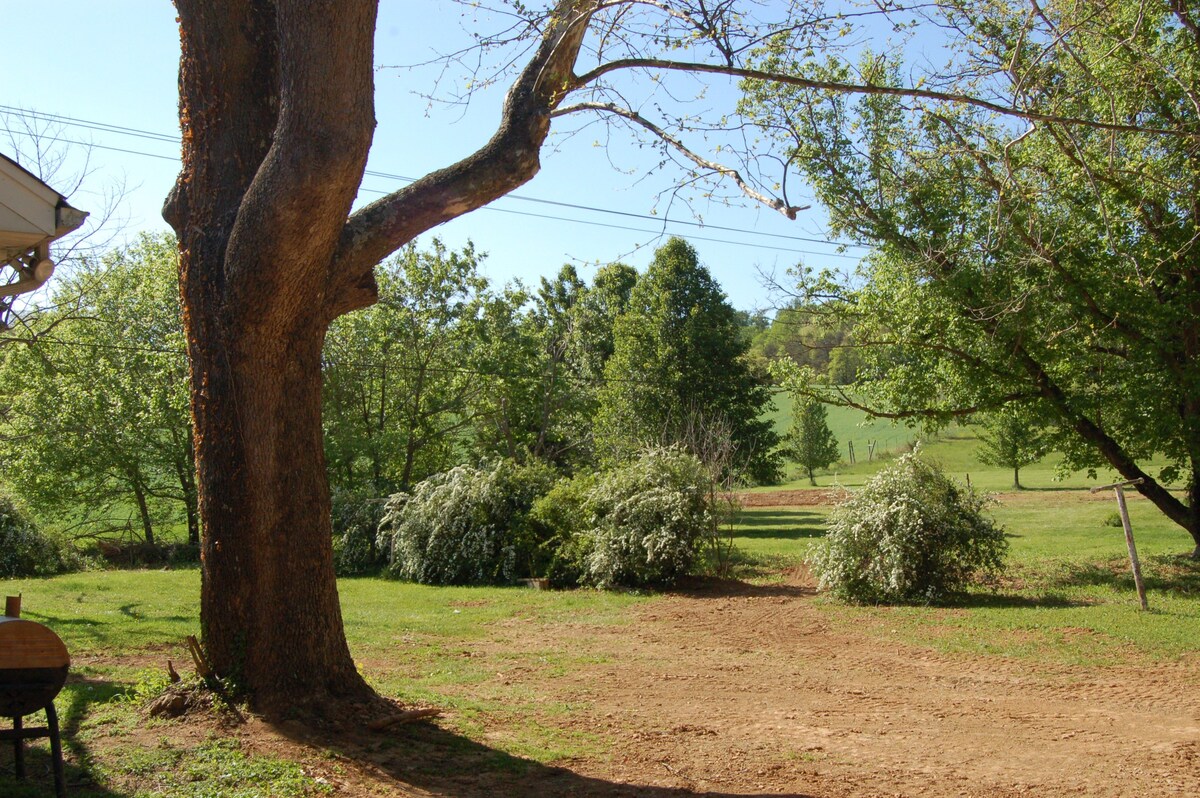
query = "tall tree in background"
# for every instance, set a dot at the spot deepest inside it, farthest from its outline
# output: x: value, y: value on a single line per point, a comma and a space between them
x: 95, y: 406
x: 679, y: 359
x: 809, y: 440
x: 596, y: 317
x: 400, y: 377
x: 566, y: 399
x: 1049, y: 268
x: 1011, y: 440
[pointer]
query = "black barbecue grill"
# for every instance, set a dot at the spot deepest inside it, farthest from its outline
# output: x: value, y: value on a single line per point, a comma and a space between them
x: 33, y: 668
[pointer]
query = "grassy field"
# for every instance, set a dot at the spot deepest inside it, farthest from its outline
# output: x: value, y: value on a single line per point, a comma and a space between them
x: 412, y: 642
x: 1068, y: 594
x: 954, y: 450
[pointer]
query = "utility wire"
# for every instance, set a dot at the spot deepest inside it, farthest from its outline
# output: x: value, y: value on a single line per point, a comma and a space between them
x: 120, y: 130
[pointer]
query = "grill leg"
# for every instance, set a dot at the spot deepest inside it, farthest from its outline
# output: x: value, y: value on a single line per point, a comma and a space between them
x: 60, y: 782
x: 18, y: 750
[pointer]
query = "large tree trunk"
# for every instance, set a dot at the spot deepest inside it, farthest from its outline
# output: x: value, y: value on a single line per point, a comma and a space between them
x: 277, y: 124
x: 269, y: 601
x: 276, y: 106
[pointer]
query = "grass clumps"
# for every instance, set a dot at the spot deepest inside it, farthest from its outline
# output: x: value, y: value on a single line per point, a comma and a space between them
x: 911, y: 534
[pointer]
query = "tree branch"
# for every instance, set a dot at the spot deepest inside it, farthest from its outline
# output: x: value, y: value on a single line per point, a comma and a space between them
x: 507, y: 161
x: 861, y: 88
x: 789, y: 211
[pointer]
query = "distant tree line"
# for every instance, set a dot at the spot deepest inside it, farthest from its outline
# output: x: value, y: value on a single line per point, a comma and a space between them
x: 445, y: 369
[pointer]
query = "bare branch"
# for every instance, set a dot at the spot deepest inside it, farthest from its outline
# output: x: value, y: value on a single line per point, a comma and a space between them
x: 507, y: 161
x: 725, y: 171
x: 862, y: 88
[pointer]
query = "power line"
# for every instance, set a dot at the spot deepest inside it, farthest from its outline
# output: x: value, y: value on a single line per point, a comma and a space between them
x: 93, y: 145
x: 120, y: 130
x: 647, y: 216
x: 103, y: 126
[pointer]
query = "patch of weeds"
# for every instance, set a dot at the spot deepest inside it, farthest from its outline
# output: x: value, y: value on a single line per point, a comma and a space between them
x: 144, y: 762
x: 502, y: 762
x: 807, y: 755
x: 549, y: 744
x: 219, y: 768
x: 146, y: 686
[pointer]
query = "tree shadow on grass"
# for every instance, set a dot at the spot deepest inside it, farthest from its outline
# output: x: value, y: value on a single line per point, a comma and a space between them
x: 80, y: 768
x: 711, y: 587
x: 976, y: 601
x: 779, y: 524
x: 1175, y: 574
x: 101, y: 634
x: 425, y: 757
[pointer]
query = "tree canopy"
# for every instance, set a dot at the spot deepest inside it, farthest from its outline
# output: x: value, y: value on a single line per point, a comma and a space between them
x: 678, y: 369
x: 400, y: 377
x: 1047, y: 267
x: 96, y: 431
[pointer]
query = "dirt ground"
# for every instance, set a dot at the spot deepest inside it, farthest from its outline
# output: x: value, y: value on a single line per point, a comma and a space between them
x: 729, y: 689
x: 791, y: 498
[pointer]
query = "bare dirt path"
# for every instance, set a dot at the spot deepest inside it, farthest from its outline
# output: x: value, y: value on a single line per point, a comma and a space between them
x: 748, y: 692
x: 742, y: 690
x: 729, y: 689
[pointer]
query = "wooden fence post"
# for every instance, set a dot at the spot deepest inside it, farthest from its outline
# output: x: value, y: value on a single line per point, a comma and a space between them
x: 1119, y: 488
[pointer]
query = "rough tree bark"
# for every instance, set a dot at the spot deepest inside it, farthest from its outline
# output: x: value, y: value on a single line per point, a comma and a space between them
x: 276, y: 109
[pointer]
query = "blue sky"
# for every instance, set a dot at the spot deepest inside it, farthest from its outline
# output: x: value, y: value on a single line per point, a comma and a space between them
x: 112, y: 64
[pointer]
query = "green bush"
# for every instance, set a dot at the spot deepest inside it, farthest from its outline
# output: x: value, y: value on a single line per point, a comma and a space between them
x: 647, y: 520
x: 467, y: 526
x: 355, y: 529
x: 562, y: 520
x: 910, y: 534
x: 26, y: 551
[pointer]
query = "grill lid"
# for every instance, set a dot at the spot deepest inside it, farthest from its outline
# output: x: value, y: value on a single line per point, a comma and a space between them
x: 26, y: 644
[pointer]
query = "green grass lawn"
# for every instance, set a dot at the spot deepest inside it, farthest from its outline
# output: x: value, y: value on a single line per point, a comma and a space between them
x: 412, y: 642
x: 1068, y: 595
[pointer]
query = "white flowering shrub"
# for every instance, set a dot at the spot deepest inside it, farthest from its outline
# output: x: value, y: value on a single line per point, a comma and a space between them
x: 647, y: 520
x: 911, y: 534
x: 466, y: 526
